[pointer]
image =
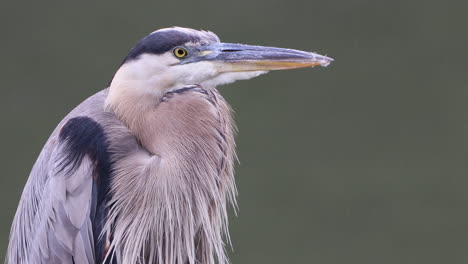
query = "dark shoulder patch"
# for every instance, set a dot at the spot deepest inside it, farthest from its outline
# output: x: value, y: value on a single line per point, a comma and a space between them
x: 84, y: 136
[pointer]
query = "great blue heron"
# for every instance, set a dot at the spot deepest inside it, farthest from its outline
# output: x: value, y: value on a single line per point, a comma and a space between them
x: 142, y: 172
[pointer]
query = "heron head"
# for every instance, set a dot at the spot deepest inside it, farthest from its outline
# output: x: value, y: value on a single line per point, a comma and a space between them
x: 174, y: 57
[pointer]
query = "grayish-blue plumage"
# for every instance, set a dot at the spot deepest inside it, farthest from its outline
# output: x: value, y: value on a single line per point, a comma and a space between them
x: 142, y: 172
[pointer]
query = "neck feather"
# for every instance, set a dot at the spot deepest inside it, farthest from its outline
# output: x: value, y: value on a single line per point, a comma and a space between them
x: 175, y: 210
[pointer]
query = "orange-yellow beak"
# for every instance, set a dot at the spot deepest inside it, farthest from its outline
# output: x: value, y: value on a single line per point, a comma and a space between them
x: 238, y: 57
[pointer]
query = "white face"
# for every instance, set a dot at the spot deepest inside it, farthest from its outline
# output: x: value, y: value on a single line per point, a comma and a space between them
x: 162, y: 73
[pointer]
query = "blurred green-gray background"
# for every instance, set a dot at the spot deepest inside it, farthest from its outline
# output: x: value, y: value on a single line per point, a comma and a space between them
x: 361, y: 162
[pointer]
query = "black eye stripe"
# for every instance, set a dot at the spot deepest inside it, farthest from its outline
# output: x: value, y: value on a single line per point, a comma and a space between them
x: 163, y: 41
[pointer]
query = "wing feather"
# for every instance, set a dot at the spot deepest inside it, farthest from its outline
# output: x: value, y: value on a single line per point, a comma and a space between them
x: 65, y: 227
x: 55, y: 220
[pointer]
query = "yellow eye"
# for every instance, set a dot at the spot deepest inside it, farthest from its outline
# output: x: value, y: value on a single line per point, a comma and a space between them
x: 180, y: 52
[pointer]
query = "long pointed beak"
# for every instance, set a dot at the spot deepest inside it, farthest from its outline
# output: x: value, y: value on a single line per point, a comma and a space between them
x: 238, y: 57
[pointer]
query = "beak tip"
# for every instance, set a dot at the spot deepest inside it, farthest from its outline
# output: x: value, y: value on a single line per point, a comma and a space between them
x: 325, y: 61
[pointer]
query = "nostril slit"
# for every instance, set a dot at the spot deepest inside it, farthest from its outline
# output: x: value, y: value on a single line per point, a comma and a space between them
x: 231, y: 50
